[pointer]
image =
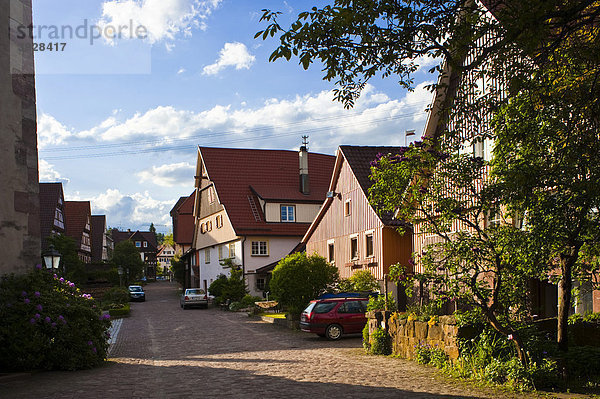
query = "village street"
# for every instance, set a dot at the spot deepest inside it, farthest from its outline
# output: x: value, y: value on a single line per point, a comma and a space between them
x: 162, y: 351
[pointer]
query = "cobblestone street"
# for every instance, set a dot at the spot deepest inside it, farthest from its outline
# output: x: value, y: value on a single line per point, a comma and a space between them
x: 162, y: 351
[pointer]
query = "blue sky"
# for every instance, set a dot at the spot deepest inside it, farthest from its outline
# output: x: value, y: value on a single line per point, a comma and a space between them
x: 119, y: 120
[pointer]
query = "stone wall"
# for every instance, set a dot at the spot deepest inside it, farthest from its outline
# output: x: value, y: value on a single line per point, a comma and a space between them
x: 407, y: 335
x: 19, y: 201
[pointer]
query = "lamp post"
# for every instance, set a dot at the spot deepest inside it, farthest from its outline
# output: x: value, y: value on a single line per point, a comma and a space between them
x: 120, y: 271
x: 52, y: 258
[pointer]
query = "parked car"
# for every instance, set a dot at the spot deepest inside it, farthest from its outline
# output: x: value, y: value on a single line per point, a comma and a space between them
x: 136, y: 293
x: 194, y: 297
x: 334, y: 317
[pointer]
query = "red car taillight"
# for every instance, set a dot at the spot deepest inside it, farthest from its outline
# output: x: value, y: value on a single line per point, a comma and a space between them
x: 205, y: 297
x: 187, y: 298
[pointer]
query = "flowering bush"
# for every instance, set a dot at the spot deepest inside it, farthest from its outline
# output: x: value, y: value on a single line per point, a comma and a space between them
x: 47, y: 323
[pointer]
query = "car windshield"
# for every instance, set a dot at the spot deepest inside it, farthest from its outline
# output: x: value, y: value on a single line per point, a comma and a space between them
x: 324, y: 307
x: 194, y: 292
x: 135, y: 289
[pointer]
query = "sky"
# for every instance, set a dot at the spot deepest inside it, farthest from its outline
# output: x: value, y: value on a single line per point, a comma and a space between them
x: 120, y: 117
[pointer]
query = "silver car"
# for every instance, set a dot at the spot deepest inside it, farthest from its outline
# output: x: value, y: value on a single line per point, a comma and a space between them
x: 194, y: 297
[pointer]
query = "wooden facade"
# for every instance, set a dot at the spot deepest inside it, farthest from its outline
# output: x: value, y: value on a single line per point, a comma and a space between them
x: 347, y: 215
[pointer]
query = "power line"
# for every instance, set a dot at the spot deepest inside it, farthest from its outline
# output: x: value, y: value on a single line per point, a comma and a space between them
x: 216, y: 136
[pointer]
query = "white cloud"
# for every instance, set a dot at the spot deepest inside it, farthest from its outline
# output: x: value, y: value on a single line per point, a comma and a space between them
x: 164, y: 20
x: 175, y: 174
x: 181, y: 70
x: 51, y: 132
x: 232, y: 54
x: 375, y: 119
x: 49, y: 174
x: 134, y: 211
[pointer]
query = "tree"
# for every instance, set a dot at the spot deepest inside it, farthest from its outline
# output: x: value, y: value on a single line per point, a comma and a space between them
x: 548, y: 164
x: 178, y: 269
x: 127, y: 256
x: 70, y: 266
x: 299, y: 278
x: 167, y: 239
x: 477, y: 259
x: 235, y: 289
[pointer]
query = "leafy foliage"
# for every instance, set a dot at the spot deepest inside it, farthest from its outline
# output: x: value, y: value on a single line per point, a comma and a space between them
x: 178, y: 269
x: 71, y: 267
x: 379, y: 302
x: 381, y: 343
x: 127, y: 256
x: 47, y: 323
x: 235, y: 288
x: 299, y: 278
x: 361, y: 281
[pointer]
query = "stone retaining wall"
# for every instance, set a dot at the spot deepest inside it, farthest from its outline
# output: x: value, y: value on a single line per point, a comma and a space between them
x: 407, y: 335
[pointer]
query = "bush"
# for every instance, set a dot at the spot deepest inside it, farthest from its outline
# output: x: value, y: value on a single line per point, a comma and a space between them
x: 428, y: 354
x: 116, y: 295
x: 235, y: 306
x: 248, y: 301
x: 120, y: 311
x: 381, y: 343
x: 378, y: 303
x: 366, y: 339
x: 47, y: 323
x: 299, y: 278
x: 216, y: 287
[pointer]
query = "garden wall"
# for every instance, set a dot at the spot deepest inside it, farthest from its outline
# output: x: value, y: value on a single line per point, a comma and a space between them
x: 407, y: 335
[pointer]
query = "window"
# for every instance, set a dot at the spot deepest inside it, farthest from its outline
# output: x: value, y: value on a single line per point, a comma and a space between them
x: 87, y: 223
x: 232, y: 250
x: 260, y: 248
x: 324, y: 307
x: 288, y: 213
x: 354, y: 248
x: 478, y: 147
x: 202, y: 228
x: 260, y: 284
x: 352, y: 307
x: 211, y: 195
x: 347, y: 208
x: 219, y: 221
x: 221, y: 251
x: 209, y: 226
x: 494, y: 217
x: 207, y: 255
x: 368, y: 245
x: 331, y: 252
x: 145, y: 244
x: 138, y: 244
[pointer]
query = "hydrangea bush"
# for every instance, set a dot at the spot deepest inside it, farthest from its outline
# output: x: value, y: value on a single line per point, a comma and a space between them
x: 48, y: 323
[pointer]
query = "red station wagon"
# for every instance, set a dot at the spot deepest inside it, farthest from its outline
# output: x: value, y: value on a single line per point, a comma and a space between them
x: 334, y: 317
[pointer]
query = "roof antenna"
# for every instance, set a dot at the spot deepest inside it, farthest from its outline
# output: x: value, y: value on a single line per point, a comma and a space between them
x: 305, y: 142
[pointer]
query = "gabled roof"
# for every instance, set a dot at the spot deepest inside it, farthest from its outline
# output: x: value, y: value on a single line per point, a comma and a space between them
x: 183, y: 220
x: 239, y: 175
x: 359, y: 160
x: 97, y: 236
x: 76, y: 217
x: 50, y: 193
x: 137, y: 235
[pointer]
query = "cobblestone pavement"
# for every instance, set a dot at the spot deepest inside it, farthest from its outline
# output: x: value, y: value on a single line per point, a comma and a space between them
x: 162, y: 351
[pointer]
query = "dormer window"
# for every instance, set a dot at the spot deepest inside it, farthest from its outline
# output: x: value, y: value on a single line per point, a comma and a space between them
x: 288, y: 213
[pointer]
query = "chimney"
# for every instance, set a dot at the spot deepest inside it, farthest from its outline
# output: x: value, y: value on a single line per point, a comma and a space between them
x: 303, y: 157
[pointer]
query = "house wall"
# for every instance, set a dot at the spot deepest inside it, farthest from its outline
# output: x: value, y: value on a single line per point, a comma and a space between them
x: 279, y: 247
x: 337, y: 227
x: 210, y: 271
x: 19, y: 197
x: 216, y: 235
x: 305, y: 213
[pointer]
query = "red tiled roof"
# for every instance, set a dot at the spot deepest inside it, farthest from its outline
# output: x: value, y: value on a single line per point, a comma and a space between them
x: 119, y: 236
x: 76, y: 216
x: 50, y: 193
x: 273, y: 174
x: 97, y: 235
x: 183, y: 220
x: 359, y: 159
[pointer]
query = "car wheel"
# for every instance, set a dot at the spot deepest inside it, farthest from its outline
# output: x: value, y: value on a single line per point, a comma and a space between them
x: 334, y: 332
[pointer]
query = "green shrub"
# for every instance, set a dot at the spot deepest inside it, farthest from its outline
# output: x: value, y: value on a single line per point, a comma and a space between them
x: 47, y: 323
x: 366, y: 339
x: 119, y: 310
x: 116, y: 295
x: 248, y: 300
x: 235, y: 306
x: 378, y: 303
x: 381, y: 343
x: 428, y: 354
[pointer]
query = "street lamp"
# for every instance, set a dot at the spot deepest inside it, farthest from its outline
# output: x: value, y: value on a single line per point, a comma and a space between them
x: 52, y: 258
x: 120, y: 271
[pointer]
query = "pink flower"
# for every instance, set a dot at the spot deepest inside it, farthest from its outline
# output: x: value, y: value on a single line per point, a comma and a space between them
x: 38, y: 316
x: 23, y: 293
x: 32, y: 321
x: 38, y: 266
x: 90, y: 343
x: 510, y: 337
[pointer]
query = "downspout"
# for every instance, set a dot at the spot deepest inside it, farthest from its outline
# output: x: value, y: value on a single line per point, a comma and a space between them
x: 243, y: 259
